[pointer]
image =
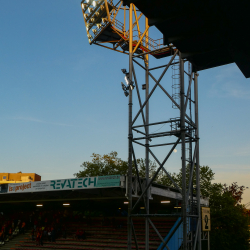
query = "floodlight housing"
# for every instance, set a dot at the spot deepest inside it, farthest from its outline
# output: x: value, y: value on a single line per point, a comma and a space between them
x: 125, y: 89
x: 124, y: 71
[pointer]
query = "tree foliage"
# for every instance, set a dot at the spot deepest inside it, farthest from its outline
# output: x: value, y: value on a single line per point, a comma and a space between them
x: 108, y: 164
x: 229, y: 219
x: 111, y: 164
x: 206, y: 178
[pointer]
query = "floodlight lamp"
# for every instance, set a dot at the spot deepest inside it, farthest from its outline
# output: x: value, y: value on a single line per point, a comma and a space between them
x: 90, y: 9
x: 87, y: 26
x: 94, y: 31
x: 104, y: 20
x: 94, y: 3
x: 86, y: 15
x: 99, y: 25
x: 84, y: 6
x: 129, y: 82
x: 126, y: 80
x: 97, y: 14
x: 92, y: 20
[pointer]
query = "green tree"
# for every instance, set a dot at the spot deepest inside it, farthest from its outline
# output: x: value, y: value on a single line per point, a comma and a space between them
x: 110, y: 164
x: 229, y: 219
x: 206, y: 178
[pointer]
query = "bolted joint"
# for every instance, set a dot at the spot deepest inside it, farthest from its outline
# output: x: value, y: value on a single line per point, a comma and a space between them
x: 130, y: 136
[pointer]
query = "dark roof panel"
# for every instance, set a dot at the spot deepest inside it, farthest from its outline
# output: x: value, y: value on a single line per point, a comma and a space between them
x: 208, y: 33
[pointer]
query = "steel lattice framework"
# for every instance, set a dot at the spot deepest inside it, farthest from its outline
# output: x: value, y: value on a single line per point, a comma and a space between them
x: 104, y: 29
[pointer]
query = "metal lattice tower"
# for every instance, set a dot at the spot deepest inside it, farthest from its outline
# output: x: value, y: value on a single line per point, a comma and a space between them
x: 104, y: 29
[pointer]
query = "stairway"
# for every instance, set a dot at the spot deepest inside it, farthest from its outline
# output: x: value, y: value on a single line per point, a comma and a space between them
x: 16, y: 240
x: 109, y: 234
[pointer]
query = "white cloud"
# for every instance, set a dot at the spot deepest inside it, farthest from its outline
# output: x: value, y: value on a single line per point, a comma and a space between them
x: 228, y: 84
x: 231, y: 167
x: 31, y: 119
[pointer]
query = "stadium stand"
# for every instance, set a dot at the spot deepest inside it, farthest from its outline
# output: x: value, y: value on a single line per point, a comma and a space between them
x: 74, y: 230
x: 85, y: 213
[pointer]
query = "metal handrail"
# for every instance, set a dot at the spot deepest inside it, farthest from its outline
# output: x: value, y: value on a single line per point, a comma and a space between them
x: 150, y: 43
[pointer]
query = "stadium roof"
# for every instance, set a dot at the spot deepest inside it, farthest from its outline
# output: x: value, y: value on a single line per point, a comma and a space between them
x: 43, y: 191
x: 207, y: 33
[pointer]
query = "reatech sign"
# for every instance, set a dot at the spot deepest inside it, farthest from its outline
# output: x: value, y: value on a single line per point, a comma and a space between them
x: 66, y: 184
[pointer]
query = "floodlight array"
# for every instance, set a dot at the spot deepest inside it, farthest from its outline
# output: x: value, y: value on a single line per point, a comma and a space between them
x: 95, y: 17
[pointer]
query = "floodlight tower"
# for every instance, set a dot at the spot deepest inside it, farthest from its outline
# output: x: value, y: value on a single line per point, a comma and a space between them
x: 104, y: 29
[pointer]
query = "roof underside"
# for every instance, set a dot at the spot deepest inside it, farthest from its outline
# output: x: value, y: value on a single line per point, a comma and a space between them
x: 207, y: 33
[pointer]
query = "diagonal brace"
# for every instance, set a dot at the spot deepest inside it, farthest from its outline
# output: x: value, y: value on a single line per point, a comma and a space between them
x: 156, y: 173
x: 171, y: 98
x: 139, y: 97
x: 159, y: 235
x: 188, y: 91
x: 166, y: 172
x: 157, y: 83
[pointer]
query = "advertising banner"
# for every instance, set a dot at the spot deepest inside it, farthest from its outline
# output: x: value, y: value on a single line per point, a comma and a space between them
x: 65, y: 184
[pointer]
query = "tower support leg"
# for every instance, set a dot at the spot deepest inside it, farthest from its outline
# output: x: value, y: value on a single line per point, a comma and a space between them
x: 146, y: 59
x: 198, y: 229
x: 183, y: 149
x: 130, y: 134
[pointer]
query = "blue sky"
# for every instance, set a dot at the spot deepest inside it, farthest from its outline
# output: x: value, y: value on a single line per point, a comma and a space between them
x: 61, y: 98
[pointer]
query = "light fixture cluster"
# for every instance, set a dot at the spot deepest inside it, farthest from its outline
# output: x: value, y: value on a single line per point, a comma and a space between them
x: 130, y: 84
x: 95, y: 17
